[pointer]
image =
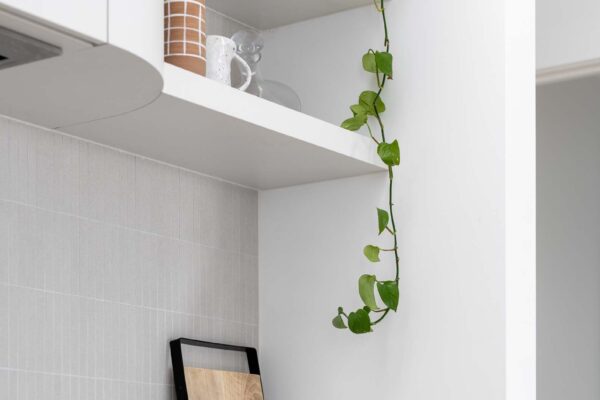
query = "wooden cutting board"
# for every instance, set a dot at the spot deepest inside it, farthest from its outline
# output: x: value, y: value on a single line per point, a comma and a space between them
x: 209, y: 384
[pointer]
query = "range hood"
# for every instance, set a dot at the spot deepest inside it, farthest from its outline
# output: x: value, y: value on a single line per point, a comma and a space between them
x: 17, y: 49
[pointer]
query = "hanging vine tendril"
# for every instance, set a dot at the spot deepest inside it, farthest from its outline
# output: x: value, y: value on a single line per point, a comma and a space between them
x: 371, y: 106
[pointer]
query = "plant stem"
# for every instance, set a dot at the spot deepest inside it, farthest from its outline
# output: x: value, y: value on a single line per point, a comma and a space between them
x: 382, y: 317
x: 371, y: 133
x: 391, y: 205
x: 393, y: 231
x: 381, y: 81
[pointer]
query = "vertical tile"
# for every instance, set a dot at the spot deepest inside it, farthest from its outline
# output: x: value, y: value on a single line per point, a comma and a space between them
x: 69, y: 311
x: 148, y: 265
x: 86, y: 389
x: 229, y: 293
x: 17, y: 175
x: 43, y: 250
x: 43, y: 167
x: 92, y: 244
x: 4, y: 384
x: 108, y: 262
x: 61, y: 268
x: 31, y: 313
x: 217, y: 211
x: 173, y: 270
x: 27, y: 386
x: 56, y: 171
x: 4, y: 325
x: 157, y: 204
x: 130, y: 337
x: 4, y: 158
x: 248, y: 221
x: 250, y: 289
x: 13, y: 385
x: 29, y: 243
x: 86, y: 327
x: 183, y: 285
x: 188, y: 182
x: 107, y: 185
x: 5, y: 223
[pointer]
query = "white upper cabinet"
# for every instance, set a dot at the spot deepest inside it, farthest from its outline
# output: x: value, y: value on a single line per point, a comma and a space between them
x: 137, y: 26
x: 568, y: 32
x: 85, y: 18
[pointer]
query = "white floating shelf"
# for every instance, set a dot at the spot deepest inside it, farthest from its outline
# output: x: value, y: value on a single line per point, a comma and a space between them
x: 213, y: 129
x: 119, y: 96
x: 268, y: 14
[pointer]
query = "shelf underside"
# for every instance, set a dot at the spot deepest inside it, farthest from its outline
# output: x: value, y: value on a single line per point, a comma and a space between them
x: 268, y: 14
x: 204, y: 126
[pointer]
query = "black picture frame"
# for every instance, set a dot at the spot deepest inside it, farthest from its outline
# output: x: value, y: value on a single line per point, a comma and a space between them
x: 178, y: 367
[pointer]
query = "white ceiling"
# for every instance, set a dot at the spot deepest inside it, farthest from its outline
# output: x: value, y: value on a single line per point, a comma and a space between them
x: 268, y: 14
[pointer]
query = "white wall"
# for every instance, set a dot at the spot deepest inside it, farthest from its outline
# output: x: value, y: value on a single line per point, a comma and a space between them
x: 447, y: 106
x: 569, y: 238
x: 567, y: 31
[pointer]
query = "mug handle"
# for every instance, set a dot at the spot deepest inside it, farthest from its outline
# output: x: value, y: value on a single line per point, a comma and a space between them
x: 245, y: 71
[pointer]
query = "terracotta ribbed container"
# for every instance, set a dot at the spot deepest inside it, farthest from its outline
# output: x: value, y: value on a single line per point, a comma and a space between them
x: 185, y: 34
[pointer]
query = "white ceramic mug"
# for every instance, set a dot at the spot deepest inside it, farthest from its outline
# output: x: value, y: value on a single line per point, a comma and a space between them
x: 220, y: 52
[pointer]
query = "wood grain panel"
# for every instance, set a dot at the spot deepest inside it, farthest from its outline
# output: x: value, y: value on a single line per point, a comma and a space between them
x: 208, y: 384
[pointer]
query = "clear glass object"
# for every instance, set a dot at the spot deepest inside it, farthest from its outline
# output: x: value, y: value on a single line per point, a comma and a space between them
x: 249, y: 47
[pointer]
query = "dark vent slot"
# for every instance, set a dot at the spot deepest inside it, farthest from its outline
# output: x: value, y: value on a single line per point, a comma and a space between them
x: 2, y: 57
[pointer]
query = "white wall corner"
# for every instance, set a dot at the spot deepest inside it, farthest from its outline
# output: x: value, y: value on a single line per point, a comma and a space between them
x: 520, y: 180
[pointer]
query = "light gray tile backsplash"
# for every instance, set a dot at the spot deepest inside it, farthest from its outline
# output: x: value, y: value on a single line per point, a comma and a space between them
x: 104, y: 258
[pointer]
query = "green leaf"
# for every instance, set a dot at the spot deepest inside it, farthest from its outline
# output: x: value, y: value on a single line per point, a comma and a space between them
x: 358, y: 109
x: 389, y: 293
x: 366, y: 289
x: 370, y: 101
x: 369, y: 63
x: 355, y: 123
x: 384, y: 61
x: 383, y: 219
x: 389, y: 153
x: 359, y: 322
x: 372, y: 253
x: 338, y: 322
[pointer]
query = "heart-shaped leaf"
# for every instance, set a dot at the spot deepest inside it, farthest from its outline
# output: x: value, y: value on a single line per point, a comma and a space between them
x: 372, y: 253
x: 358, y: 109
x: 355, y: 123
x: 384, y: 61
x: 359, y: 322
x: 383, y: 219
x: 389, y: 153
x: 369, y: 63
x: 366, y: 289
x: 370, y: 101
x: 338, y: 322
x: 389, y: 293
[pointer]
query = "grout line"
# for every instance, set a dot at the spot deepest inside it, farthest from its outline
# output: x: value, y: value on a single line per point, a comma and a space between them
x: 114, y: 302
x: 124, y: 227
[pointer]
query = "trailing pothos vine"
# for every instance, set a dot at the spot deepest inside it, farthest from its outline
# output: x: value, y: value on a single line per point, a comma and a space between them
x: 370, y: 106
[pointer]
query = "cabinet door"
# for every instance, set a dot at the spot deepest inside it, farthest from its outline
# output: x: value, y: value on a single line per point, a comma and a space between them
x: 86, y: 18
